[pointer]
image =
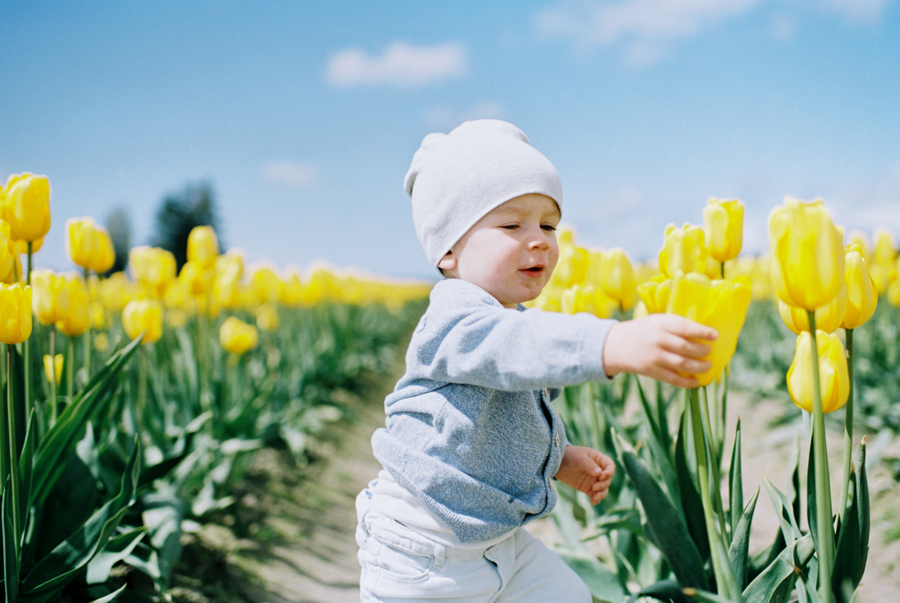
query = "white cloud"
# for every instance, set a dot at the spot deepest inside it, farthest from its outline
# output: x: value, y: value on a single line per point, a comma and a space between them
x: 443, y: 119
x: 644, y: 29
x: 290, y: 174
x: 400, y: 65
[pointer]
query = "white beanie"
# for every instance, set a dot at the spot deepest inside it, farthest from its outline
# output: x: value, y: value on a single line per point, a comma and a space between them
x: 457, y: 178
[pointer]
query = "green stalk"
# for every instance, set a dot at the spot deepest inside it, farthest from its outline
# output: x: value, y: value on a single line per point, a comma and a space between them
x: 53, y: 403
x: 848, y: 426
x: 27, y: 346
x: 725, y: 578
x: 87, y: 334
x: 715, y: 475
x: 13, y: 452
x: 823, y: 482
x: 70, y: 366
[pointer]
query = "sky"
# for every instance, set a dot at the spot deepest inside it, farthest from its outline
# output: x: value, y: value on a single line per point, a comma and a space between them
x: 303, y: 116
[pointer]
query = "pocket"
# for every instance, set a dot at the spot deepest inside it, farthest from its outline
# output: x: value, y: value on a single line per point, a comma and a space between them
x: 396, y: 557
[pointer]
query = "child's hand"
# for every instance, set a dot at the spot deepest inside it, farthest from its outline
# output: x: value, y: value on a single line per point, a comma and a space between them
x: 587, y: 470
x: 666, y: 347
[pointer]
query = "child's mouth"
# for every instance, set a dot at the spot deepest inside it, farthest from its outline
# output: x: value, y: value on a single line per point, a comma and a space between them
x: 534, y: 270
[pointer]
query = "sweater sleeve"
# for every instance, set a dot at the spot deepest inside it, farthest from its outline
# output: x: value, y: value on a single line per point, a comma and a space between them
x: 467, y: 337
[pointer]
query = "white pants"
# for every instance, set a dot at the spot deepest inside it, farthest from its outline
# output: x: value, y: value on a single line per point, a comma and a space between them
x: 400, y: 564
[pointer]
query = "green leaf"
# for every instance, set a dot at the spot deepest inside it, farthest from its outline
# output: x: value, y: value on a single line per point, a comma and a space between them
x: 603, y: 583
x: 666, y: 525
x: 853, y: 533
x: 736, y: 482
x: 58, y: 568
x: 776, y: 583
x: 664, y: 590
x: 10, y: 547
x: 65, y: 433
x: 117, y: 549
x: 739, y: 550
x: 691, y: 503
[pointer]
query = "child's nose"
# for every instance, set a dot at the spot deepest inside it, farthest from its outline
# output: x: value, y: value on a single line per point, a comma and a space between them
x: 539, y: 239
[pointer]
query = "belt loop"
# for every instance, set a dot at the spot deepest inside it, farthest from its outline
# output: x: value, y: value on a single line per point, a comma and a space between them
x: 439, y: 554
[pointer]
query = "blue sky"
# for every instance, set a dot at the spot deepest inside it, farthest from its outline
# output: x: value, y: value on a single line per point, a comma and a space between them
x: 304, y: 116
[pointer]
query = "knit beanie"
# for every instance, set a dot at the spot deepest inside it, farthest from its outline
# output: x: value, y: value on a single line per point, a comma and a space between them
x: 457, y: 178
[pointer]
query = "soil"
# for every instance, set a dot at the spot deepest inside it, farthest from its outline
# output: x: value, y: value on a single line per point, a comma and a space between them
x: 298, y: 522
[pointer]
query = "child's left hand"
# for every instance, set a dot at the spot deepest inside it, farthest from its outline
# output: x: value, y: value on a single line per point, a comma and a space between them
x: 587, y: 470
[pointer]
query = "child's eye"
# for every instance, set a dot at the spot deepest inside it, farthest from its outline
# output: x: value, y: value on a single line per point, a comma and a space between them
x: 548, y: 227
x: 510, y: 226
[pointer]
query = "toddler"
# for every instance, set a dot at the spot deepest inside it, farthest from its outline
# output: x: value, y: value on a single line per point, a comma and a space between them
x: 471, y: 447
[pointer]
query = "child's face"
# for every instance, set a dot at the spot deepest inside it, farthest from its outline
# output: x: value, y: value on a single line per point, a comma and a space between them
x: 511, y: 252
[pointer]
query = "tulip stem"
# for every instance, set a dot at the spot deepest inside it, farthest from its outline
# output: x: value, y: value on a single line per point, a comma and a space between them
x: 848, y: 425
x: 725, y: 578
x: 70, y: 366
x: 27, y: 344
x: 53, y: 408
x: 13, y: 451
x: 87, y: 333
x: 824, y: 522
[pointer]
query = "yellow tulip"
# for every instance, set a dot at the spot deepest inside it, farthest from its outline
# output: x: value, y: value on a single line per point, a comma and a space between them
x: 885, y: 251
x: 654, y: 293
x: 15, y: 308
x: 237, y: 336
x: 22, y: 246
x: 723, y: 226
x: 267, y: 285
x: 53, y: 367
x: 828, y: 318
x: 27, y: 206
x: 721, y: 304
x: 684, y: 251
x: 89, y: 245
x: 8, y: 253
x: 617, y: 276
x: 196, y: 278
x: 292, y: 295
x: 572, y: 265
x: 807, y: 253
x: 143, y: 315
x: 267, y: 317
x: 834, y: 379
x: 203, y: 246
x: 153, y: 267
x: 78, y: 317
x: 862, y: 293
x: 50, y: 300
x: 893, y: 293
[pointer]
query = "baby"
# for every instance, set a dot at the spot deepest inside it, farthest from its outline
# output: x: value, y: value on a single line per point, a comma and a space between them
x: 471, y: 447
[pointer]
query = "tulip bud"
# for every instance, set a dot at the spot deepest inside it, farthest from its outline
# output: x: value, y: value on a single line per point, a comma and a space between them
x: 8, y: 253
x: 143, y: 315
x: 203, y: 246
x: 684, y: 251
x: 27, y: 206
x: 862, y: 294
x: 267, y: 317
x: 237, y: 336
x: 828, y: 317
x: 78, y: 317
x: 833, y: 376
x: 617, y: 277
x: 15, y: 308
x: 807, y: 253
x: 266, y: 284
x: 719, y: 304
x: 153, y: 267
x: 723, y: 226
x: 50, y: 300
x: 53, y: 367
x: 89, y: 245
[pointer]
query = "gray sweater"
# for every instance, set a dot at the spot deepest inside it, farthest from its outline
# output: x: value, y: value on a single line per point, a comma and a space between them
x: 470, y: 430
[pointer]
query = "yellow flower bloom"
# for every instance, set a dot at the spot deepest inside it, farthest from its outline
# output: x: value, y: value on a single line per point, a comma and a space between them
x: 8, y: 253
x: 143, y: 315
x: 153, y: 267
x: 684, y: 251
x: 196, y: 278
x: 53, y: 367
x: 203, y: 246
x: 834, y: 379
x: 828, y: 317
x: 572, y: 265
x: 27, y: 206
x: 862, y: 293
x: 89, y: 245
x: 267, y: 317
x: 267, y: 286
x: 50, y: 300
x: 15, y: 308
x: 721, y: 304
x: 238, y: 337
x: 617, y: 276
x: 77, y: 318
x: 723, y: 225
x: 807, y: 253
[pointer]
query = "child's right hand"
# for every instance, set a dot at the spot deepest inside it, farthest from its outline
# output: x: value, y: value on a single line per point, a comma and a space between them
x: 666, y: 347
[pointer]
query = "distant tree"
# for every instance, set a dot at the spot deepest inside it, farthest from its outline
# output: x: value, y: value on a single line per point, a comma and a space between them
x: 179, y: 213
x: 119, y: 226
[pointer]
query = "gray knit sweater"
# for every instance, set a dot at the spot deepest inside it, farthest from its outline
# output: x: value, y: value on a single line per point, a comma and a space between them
x: 470, y: 430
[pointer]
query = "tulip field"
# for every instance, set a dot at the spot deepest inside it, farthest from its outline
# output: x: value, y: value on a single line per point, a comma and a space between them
x: 134, y: 402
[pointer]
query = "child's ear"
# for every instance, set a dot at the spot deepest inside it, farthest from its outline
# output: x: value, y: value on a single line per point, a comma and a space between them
x: 448, y: 262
